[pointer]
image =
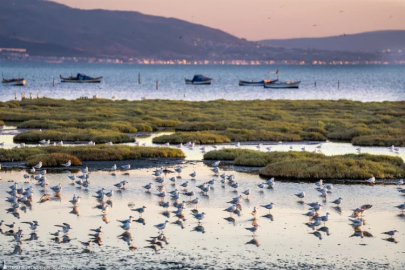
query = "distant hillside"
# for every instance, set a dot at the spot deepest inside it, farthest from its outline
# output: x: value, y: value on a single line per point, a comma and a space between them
x: 46, y: 28
x: 370, y: 41
x: 102, y: 32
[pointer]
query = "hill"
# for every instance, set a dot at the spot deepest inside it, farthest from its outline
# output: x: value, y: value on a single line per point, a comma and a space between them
x: 369, y: 41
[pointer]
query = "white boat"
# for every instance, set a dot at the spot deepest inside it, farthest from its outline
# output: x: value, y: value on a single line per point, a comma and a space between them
x: 199, y: 80
x: 253, y: 83
x: 14, y: 82
x: 279, y: 84
x: 81, y: 78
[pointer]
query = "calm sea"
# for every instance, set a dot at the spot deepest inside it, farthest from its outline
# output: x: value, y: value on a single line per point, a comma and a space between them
x: 365, y: 83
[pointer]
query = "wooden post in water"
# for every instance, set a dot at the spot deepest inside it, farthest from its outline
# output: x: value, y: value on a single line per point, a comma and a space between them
x: 53, y: 82
x: 30, y: 95
x: 315, y: 84
x: 139, y: 78
x: 157, y: 84
x: 338, y: 84
x: 37, y: 95
x: 15, y: 96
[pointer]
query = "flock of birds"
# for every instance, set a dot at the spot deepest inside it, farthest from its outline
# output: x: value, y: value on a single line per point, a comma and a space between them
x: 21, y: 198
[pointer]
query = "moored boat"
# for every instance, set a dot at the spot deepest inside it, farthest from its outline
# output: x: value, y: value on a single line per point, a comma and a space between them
x: 279, y: 84
x: 14, y: 82
x: 199, y: 80
x: 253, y: 83
x: 80, y: 78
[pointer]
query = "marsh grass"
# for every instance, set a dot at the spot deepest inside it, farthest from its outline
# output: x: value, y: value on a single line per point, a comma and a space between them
x: 54, y: 154
x: 370, y: 123
x: 52, y: 160
x: 196, y: 137
x: 74, y: 134
x: 305, y: 165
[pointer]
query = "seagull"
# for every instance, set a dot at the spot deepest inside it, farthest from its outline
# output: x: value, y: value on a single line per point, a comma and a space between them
x: 337, y: 201
x: 400, y: 182
x: 148, y: 186
x: 357, y: 222
x: 161, y: 226
x: 67, y: 164
x: 268, y: 206
x: 391, y: 233
x: 178, y: 170
x: 139, y: 210
x: 235, y: 200
x: 33, y: 225
x: 198, y: 216
x: 184, y: 185
x: 193, y: 174
x: 319, y: 183
x: 216, y: 163
x: 261, y: 185
x: 254, y: 212
x: 57, y: 234
x: 310, y: 213
x: 38, y: 166
x: 126, y: 167
x: 300, y: 195
x: 195, y: 202
x: 99, y: 230
x: 231, y: 209
x: 371, y: 180
x: 246, y: 192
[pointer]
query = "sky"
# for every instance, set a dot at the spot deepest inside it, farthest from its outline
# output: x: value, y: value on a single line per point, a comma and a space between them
x: 269, y: 19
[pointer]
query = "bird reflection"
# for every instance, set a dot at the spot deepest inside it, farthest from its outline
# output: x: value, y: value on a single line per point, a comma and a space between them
x: 179, y: 222
x: 269, y: 216
x: 338, y: 209
x: 317, y: 234
x: 391, y: 239
x: 17, y: 250
x: 33, y: 237
x: 56, y: 240
x: 325, y: 230
x: 140, y: 220
x: 198, y: 228
x: 66, y: 239
x: 166, y: 214
x: 75, y: 211
x: 126, y: 237
x: 231, y: 220
x: 254, y: 241
x: 105, y: 219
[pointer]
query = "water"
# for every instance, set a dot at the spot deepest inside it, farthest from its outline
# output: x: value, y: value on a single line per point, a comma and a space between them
x: 360, y: 82
x: 284, y: 238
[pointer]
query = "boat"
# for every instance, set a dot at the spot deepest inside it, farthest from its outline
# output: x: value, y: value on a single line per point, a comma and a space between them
x: 199, y: 80
x: 279, y: 84
x: 81, y: 78
x: 253, y: 83
x: 14, y: 82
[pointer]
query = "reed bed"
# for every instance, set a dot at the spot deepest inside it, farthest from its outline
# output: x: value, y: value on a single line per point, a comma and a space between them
x: 73, y: 135
x: 362, y: 123
x: 55, y: 154
x: 305, y: 165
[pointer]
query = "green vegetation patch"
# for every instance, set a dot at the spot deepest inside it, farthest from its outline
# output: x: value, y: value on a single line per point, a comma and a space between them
x: 74, y: 134
x: 306, y: 165
x: 196, y: 137
x: 52, y: 160
x: 362, y: 123
x: 86, y: 153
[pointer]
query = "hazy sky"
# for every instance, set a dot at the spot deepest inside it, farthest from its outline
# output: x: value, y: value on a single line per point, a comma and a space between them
x: 270, y: 19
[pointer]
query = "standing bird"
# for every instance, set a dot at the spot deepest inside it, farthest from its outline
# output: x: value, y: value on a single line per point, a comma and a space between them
x: 253, y: 229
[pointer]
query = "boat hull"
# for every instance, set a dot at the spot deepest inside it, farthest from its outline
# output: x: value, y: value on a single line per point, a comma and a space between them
x: 81, y: 81
x: 20, y: 82
x: 246, y: 83
x: 207, y: 82
x: 277, y: 85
